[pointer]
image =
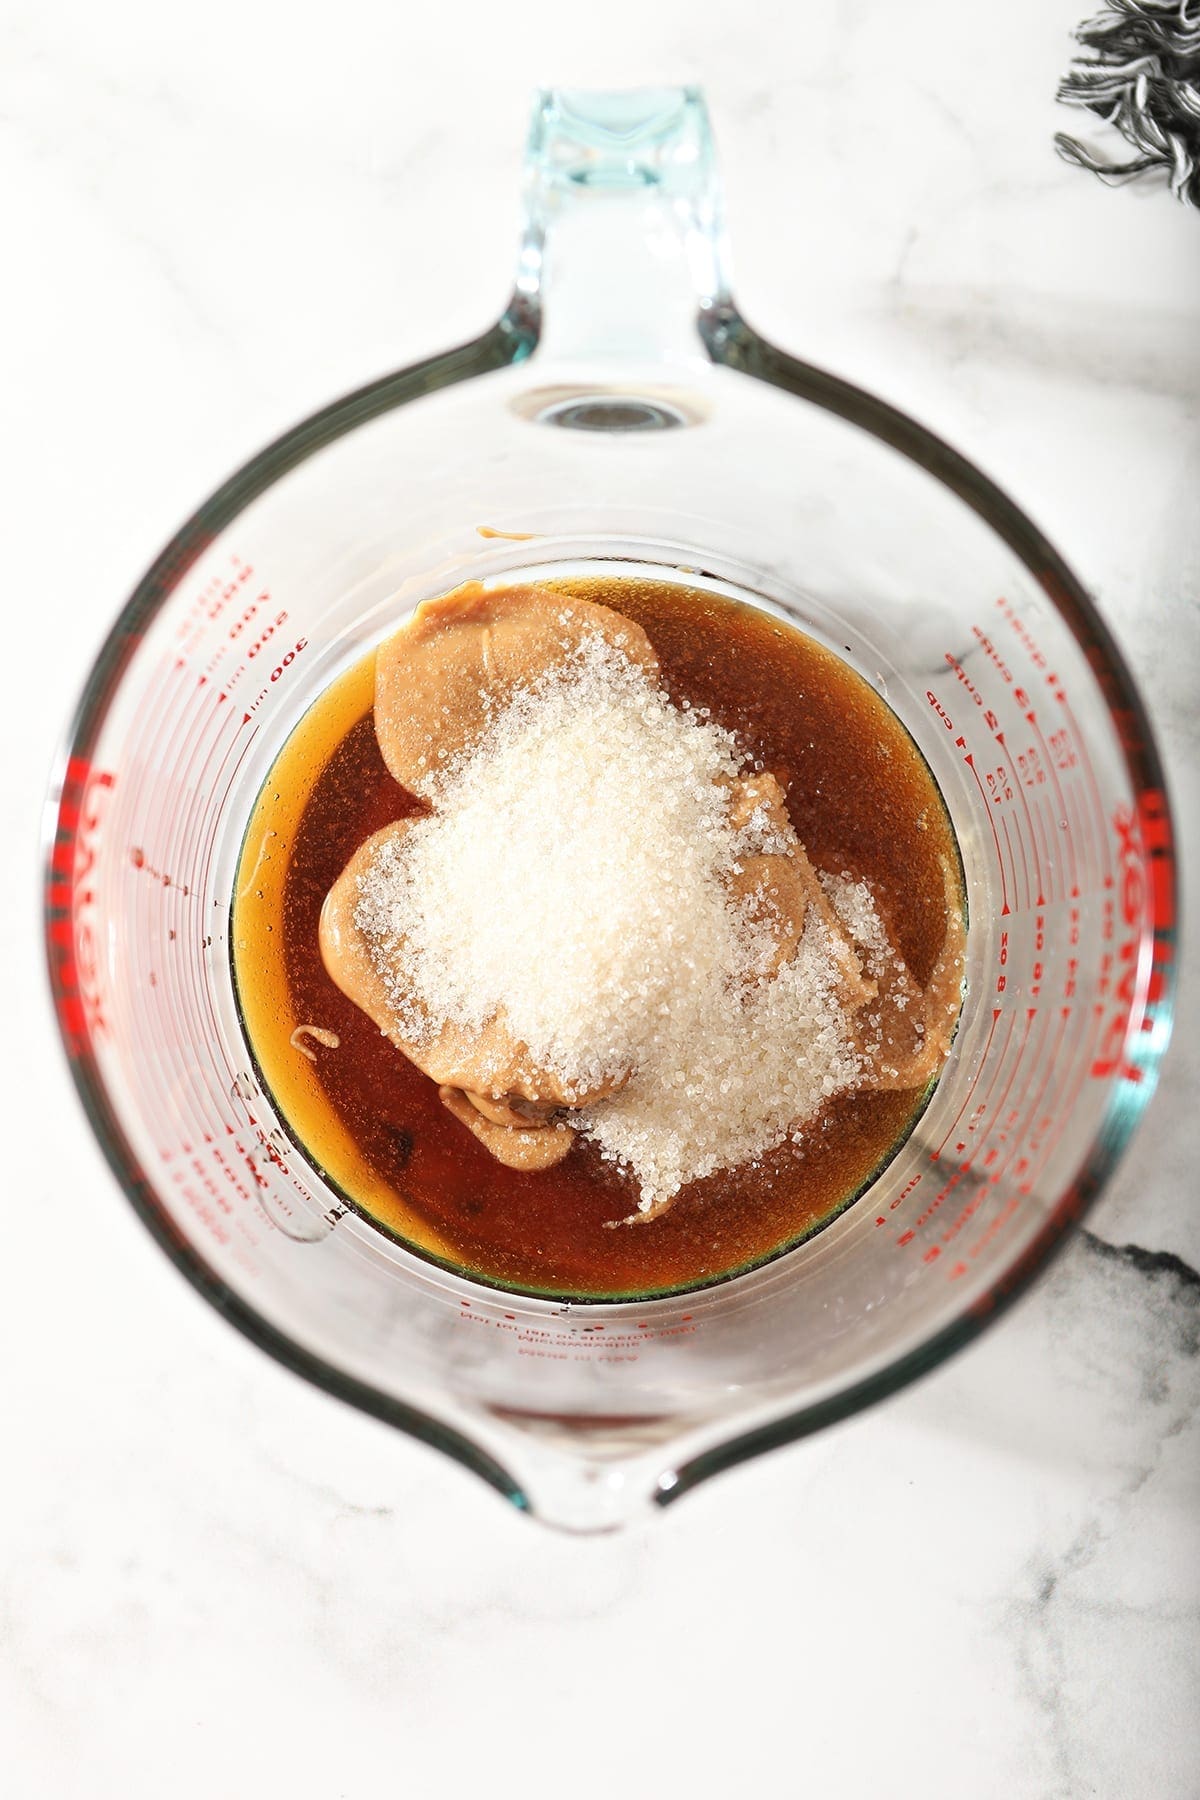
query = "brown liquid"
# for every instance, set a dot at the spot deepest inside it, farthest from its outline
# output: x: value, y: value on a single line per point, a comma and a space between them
x: 861, y: 798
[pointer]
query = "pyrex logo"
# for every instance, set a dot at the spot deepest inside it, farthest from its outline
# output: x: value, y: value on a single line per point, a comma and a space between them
x: 1143, y: 856
x: 91, y: 813
x: 72, y: 901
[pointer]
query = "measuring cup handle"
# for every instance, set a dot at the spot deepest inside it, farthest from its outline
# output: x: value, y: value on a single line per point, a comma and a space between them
x: 623, y: 248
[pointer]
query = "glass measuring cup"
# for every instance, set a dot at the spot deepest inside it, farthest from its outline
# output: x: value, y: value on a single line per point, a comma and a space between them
x: 621, y: 411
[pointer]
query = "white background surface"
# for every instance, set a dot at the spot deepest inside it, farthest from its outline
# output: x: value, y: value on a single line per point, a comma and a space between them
x: 216, y: 1581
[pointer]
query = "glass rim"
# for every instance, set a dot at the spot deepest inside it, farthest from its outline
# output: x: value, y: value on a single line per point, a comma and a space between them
x: 732, y: 344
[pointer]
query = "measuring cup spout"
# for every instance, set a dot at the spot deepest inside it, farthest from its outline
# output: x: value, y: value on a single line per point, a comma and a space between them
x: 587, y: 1477
x: 623, y: 247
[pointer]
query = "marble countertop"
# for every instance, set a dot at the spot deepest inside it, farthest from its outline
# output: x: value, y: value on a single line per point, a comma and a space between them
x: 216, y: 1580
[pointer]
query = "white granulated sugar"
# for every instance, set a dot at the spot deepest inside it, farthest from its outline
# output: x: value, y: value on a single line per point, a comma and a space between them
x: 573, y: 877
x: 854, y: 905
x: 739, y: 1066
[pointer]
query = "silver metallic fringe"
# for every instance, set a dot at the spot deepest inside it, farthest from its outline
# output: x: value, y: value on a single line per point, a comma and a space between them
x: 1142, y: 76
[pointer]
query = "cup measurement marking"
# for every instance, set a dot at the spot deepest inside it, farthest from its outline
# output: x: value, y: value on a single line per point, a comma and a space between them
x: 969, y: 759
x: 1063, y: 1112
x: 998, y: 1114
x: 1034, y: 764
x: 1049, y: 839
x: 1036, y: 1122
x: 198, y: 737
x: 208, y: 605
x: 1091, y: 785
x: 1013, y: 860
x: 182, y: 822
x: 980, y: 1110
x: 993, y: 1122
x: 935, y: 1155
x: 1062, y: 816
x: 179, y: 1058
x: 1018, y: 784
x: 1067, y: 743
x: 273, y: 1152
x: 164, y: 1060
x: 1031, y: 876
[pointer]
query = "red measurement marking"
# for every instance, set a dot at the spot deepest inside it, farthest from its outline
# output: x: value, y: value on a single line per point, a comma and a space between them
x: 1093, y: 1045
x: 1020, y: 787
x: 201, y: 1208
x: 898, y: 1199
x: 1133, y: 893
x: 1081, y: 830
x: 1013, y: 1156
x: 211, y: 600
x: 960, y: 1174
x: 982, y: 1105
x: 1064, y: 1015
x: 1021, y: 631
x: 934, y: 1155
x: 276, y: 674
x: 972, y: 1206
x: 204, y: 885
x: 1093, y: 789
x: 1030, y: 1015
x: 970, y: 761
x: 73, y: 933
x: 990, y: 651
x: 1065, y: 758
x: 1030, y: 1072
x: 994, y: 1227
x: 1046, y: 857
x: 1064, y: 1112
x: 1047, y: 838
x: 137, y: 857
x: 1156, y: 841
x: 1062, y: 814
x: 1013, y: 860
x: 965, y: 1215
x: 170, y: 1053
